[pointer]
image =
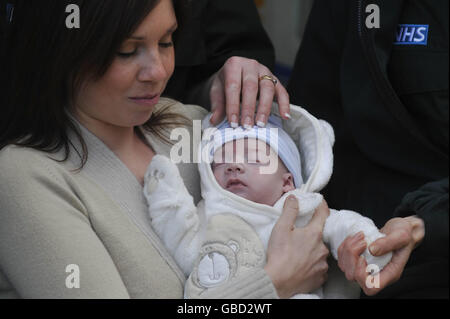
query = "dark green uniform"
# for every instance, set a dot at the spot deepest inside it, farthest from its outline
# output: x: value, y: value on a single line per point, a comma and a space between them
x: 385, y: 91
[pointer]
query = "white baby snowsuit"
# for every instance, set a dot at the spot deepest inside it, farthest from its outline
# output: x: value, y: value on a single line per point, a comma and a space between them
x: 187, y: 230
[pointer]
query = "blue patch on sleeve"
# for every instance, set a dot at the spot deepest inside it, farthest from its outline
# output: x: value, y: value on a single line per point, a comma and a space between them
x: 412, y: 34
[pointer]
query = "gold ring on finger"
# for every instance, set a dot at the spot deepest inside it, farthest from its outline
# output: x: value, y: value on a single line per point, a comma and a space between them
x: 270, y: 78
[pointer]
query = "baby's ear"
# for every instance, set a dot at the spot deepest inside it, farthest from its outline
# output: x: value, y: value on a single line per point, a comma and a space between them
x: 288, y: 182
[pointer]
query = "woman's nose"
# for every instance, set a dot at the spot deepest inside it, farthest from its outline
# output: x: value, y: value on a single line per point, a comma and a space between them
x: 153, y: 70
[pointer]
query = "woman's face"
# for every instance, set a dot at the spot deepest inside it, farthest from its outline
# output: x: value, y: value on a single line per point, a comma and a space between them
x: 126, y: 95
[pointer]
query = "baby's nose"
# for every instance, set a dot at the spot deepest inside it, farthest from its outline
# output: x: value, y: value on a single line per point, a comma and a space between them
x: 235, y: 167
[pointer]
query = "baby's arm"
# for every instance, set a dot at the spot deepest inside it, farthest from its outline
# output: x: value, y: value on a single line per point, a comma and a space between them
x: 173, y: 214
x: 342, y: 224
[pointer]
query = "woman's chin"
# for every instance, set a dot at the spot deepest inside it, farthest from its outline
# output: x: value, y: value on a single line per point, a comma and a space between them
x: 141, y: 119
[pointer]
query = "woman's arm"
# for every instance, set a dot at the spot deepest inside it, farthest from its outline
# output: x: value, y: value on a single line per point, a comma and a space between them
x: 44, y: 229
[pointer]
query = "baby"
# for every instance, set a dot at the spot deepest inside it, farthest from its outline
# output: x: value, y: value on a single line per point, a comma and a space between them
x: 251, y: 175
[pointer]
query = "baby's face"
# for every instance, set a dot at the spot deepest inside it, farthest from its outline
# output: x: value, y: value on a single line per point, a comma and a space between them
x: 251, y: 169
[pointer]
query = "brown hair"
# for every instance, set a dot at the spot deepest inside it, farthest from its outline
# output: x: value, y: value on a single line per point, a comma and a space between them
x: 47, y: 62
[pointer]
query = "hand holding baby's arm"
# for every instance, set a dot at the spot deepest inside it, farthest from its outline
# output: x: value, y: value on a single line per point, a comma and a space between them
x: 402, y: 236
x: 297, y: 257
x: 349, y: 232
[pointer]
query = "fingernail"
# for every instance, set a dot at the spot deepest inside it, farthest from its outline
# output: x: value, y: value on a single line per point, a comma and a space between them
x: 288, y: 115
x: 359, y: 235
x: 374, y: 250
x: 211, y: 119
x: 262, y: 121
x: 362, y: 243
x: 234, y: 121
x: 293, y: 203
x: 248, y: 123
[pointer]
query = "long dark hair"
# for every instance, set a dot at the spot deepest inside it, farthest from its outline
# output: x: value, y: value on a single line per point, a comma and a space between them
x: 45, y: 64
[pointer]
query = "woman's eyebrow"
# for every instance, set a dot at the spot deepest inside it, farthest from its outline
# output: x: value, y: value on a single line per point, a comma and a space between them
x: 171, y: 30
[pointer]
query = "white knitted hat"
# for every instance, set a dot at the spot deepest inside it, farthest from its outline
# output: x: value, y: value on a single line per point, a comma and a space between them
x: 273, y: 134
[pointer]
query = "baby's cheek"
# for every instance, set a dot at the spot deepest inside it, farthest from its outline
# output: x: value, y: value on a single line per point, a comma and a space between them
x: 218, y: 176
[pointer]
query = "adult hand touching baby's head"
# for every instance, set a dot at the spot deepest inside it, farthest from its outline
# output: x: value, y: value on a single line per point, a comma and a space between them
x: 243, y: 81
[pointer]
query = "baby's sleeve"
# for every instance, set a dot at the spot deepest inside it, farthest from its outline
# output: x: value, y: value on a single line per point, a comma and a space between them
x: 345, y: 223
x: 174, y: 217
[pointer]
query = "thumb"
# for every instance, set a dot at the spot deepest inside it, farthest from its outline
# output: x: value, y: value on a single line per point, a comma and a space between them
x: 390, y: 243
x: 290, y: 212
x: 320, y: 216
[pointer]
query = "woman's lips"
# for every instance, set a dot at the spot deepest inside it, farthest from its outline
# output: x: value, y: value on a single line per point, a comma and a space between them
x: 146, y: 100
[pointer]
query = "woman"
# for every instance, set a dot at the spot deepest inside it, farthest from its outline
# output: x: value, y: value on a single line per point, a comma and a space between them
x: 82, y: 121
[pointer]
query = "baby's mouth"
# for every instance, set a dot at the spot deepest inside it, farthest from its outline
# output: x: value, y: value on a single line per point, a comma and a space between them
x: 234, y: 182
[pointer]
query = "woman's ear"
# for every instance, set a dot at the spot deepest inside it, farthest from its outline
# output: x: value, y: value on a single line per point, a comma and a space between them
x: 288, y: 183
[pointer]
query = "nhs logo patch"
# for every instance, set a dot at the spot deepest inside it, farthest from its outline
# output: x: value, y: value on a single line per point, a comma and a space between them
x: 412, y: 34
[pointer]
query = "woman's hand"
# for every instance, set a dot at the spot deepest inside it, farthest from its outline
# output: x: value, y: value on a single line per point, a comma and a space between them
x: 238, y: 82
x: 402, y: 236
x: 297, y: 257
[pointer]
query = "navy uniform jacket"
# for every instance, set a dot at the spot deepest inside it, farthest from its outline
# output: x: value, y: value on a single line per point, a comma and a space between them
x: 385, y: 91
